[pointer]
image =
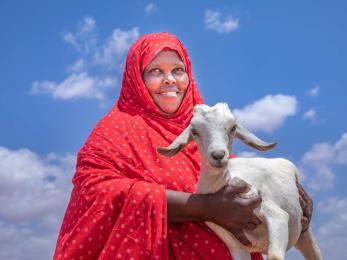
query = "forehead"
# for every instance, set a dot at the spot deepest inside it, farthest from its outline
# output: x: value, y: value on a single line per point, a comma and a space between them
x: 166, y: 57
x: 219, y: 115
x: 150, y: 45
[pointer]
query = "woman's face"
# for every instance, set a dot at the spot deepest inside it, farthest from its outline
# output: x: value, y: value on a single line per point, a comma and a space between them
x: 166, y: 80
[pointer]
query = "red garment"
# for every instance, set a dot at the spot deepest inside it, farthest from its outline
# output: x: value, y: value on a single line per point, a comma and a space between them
x: 118, y: 206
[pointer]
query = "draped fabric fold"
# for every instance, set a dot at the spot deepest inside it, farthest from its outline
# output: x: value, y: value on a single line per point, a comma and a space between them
x: 117, y: 208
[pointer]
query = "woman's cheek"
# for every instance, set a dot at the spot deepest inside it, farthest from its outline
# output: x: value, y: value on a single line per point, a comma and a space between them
x: 153, y: 83
x: 185, y: 81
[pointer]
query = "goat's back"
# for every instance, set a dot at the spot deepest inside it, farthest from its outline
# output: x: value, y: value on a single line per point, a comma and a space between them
x: 274, y: 178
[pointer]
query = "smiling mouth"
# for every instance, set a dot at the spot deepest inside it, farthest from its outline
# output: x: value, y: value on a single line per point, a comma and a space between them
x: 169, y: 93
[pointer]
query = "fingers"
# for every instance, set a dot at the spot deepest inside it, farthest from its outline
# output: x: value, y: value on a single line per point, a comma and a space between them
x: 240, y: 236
x: 301, y: 200
x: 303, y: 195
x: 250, y: 203
x: 239, y: 185
x: 248, y: 206
x: 251, y: 226
x: 255, y: 201
x: 256, y: 221
x: 306, y: 206
x: 305, y: 223
x: 305, y: 202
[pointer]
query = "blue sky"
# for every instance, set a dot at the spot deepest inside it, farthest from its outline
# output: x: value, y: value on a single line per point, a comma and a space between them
x: 280, y: 65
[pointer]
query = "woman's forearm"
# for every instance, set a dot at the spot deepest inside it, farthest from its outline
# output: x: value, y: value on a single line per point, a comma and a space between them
x: 183, y: 206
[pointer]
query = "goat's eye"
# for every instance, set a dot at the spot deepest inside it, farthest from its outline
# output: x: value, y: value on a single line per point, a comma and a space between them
x: 233, y: 129
x: 195, y: 133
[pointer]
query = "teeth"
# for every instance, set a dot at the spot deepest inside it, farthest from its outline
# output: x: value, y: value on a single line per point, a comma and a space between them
x: 169, y: 94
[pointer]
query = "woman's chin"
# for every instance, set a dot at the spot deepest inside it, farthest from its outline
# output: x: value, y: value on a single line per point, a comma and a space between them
x: 169, y: 111
x: 170, y: 106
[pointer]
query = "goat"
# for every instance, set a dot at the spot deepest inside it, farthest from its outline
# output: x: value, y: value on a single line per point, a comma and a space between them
x: 213, y: 129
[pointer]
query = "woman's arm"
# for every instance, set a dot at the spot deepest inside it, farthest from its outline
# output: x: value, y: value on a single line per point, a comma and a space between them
x: 183, y: 206
x: 224, y: 208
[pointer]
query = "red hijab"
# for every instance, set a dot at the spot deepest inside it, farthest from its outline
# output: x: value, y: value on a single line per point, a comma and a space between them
x: 118, y: 207
x: 134, y: 97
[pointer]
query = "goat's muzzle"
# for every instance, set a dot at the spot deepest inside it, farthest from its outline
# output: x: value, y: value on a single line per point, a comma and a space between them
x: 218, y: 158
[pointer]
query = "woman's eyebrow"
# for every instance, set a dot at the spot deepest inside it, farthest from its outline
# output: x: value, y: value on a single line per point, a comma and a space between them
x: 159, y: 63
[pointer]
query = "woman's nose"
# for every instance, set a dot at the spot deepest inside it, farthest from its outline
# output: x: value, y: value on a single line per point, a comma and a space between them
x: 169, y: 79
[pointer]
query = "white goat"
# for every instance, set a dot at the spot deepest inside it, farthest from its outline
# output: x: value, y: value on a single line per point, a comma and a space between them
x: 213, y: 129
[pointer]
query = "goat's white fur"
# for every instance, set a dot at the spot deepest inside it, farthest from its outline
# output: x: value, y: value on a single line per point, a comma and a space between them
x: 213, y: 129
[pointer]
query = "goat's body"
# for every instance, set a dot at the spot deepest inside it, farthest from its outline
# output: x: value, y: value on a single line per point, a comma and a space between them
x: 280, y: 211
x: 213, y: 129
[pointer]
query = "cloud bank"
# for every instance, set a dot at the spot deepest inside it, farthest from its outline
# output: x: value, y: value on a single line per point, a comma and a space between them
x: 92, y: 73
x: 268, y: 113
x: 214, y: 22
x: 34, y: 192
x: 318, y: 163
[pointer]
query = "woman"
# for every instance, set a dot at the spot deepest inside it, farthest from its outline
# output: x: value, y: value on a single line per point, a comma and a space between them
x: 129, y: 202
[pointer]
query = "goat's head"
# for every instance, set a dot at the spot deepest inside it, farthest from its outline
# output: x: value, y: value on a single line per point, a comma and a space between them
x: 213, y: 129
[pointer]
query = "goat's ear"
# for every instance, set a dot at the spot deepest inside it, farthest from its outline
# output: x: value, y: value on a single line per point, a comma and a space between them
x: 250, y: 139
x: 177, y: 145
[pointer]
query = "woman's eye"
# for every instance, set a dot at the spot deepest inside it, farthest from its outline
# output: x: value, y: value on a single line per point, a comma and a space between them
x: 155, y: 71
x: 233, y: 129
x: 179, y: 70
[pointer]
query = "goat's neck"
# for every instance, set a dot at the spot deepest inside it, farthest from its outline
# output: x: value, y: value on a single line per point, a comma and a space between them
x: 211, y: 178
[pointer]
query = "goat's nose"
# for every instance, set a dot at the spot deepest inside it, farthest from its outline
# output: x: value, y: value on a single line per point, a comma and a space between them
x: 218, y: 155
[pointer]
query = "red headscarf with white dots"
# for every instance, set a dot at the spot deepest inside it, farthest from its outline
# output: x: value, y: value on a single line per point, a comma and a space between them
x: 135, y: 98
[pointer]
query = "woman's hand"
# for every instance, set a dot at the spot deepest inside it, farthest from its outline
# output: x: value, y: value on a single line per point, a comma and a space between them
x: 227, y: 209
x: 306, y: 205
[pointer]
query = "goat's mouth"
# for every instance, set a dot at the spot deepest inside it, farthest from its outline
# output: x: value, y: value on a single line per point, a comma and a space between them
x: 218, y: 164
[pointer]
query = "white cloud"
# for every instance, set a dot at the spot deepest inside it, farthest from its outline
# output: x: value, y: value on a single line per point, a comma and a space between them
x: 92, y: 73
x: 78, y: 66
x: 213, y: 21
x: 246, y: 154
x: 320, y: 179
x: 268, y: 113
x: 85, y: 39
x: 340, y: 149
x: 313, y: 92
x: 150, y: 8
x: 317, y: 163
x: 333, y: 205
x: 88, y: 25
x: 34, y: 192
x: 319, y: 154
x: 332, y: 233
x: 115, y: 47
x: 79, y: 85
x: 310, y: 114
x: 70, y: 39
x: 108, y: 52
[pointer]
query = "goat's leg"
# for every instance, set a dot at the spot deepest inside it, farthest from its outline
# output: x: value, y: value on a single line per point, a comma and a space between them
x: 236, y: 251
x: 277, y: 223
x: 308, y: 247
